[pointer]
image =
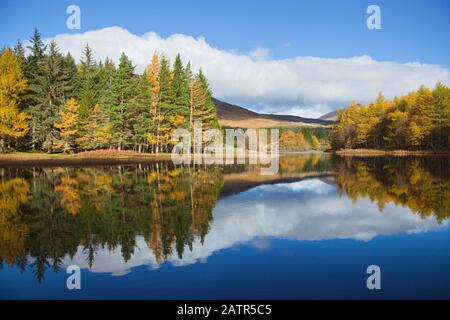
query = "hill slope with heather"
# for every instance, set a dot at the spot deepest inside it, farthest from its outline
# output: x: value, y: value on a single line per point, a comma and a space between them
x: 238, y: 117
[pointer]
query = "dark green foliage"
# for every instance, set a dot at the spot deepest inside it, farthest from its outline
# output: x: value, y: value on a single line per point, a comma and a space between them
x: 88, y: 82
x: 49, y: 92
x: 180, y: 87
x: 36, y: 56
x: 122, y: 102
x: 132, y: 110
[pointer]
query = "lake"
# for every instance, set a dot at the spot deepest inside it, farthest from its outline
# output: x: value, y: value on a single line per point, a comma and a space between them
x: 159, y: 231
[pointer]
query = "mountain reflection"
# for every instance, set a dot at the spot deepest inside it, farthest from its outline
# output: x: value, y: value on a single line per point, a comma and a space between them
x: 110, y: 219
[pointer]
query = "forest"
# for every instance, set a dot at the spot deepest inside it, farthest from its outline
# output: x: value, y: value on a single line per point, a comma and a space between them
x: 419, y: 120
x: 50, y: 103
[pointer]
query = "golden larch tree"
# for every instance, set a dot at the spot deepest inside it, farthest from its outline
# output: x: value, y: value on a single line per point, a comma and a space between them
x: 67, y: 125
x: 13, y: 85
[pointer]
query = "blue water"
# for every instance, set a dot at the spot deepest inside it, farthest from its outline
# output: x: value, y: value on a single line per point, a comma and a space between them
x: 160, y: 232
x: 298, y: 240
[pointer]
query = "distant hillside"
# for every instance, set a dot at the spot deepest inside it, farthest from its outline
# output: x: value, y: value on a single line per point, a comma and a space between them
x: 239, y: 117
x: 331, y: 116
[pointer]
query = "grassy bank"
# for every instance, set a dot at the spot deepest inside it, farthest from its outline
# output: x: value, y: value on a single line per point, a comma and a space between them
x: 377, y: 152
x: 98, y: 157
x: 79, y: 159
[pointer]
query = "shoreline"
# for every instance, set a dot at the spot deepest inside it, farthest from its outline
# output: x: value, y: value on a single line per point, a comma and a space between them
x: 24, y: 159
x: 378, y: 152
x: 95, y: 158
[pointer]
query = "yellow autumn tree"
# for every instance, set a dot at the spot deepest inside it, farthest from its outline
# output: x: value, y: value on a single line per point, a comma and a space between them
x: 176, y: 122
x: 152, y: 72
x: 295, y: 141
x: 13, y: 229
x: 315, y: 144
x: 13, y: 85
x: 302, y: 144
x: 69, y: 197
x: 98, y: 132
x: 416, y: 135
x: 68, y: 127
x: 288, y: 141
x: 152, y: 76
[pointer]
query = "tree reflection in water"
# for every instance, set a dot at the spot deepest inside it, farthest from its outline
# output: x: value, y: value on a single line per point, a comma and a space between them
x: 422, y: 184
x: 46, y: 214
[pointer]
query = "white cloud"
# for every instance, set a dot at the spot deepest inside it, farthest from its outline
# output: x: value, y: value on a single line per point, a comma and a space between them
x: 259, y: 54
x: 301, y: 85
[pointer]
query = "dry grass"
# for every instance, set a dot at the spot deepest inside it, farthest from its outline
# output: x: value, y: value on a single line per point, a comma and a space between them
x: 108, y: 152
x: 375, y: 152
x: 98, y: 157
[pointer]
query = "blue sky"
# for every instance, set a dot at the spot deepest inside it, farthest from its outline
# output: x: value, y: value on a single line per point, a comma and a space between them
x: 416, y: 30
x: 412, y: 31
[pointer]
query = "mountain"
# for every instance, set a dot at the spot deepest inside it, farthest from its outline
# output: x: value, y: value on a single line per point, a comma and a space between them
x: 238, y: 117
x: 331, y: 116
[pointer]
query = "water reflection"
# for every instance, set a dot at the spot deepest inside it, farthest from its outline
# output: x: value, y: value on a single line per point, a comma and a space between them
x: 421, y: 184
x: 49, y: 214
x: 110, y: 219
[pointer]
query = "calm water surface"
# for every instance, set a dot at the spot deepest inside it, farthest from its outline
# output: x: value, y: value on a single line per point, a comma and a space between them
x: 160, y: 232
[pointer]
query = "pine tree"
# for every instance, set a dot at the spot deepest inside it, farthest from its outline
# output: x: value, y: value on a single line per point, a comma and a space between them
x: 70, y: 76
x: 37, y: 50
x: 88, y: 83
x: 122, y: 102
x: 166, y: 95
x: 97, y: 130
x: 188, y: 73
x: 67, y: 125
x: 106, y: 75
x: 201, y: 104
x: 167, y: 106
x: 19, y: 52
x: 143, y: 123
x: 32, y: 68
x: 49, y: 90
x: 13, y: 123
x: 180, y: 88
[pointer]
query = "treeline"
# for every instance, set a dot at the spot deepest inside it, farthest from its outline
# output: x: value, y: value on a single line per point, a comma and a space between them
x: 49, y: 102
x: 302, y: 139
x: 417, y: 121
